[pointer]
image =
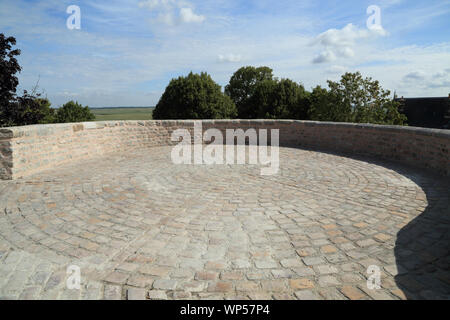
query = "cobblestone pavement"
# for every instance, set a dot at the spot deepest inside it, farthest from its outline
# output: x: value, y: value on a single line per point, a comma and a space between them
x: 141, y: 227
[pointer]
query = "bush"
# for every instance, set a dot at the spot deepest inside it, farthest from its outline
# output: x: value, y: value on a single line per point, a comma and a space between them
x: 74, y: 112
x: 196, y: 96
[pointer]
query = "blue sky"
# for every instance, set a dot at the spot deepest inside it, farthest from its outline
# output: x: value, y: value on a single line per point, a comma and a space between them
x: 127, y: 51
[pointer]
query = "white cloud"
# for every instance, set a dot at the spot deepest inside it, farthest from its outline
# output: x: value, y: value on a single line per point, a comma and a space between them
x: 439, y: 84
x: 415, y: 75
x: 439, y: 74
x: 347, y: 35
x: 152, y: 4
x: 340, y: 42
x: 325, y: 56
x: 230, y: 58
x: 440, y: 79
x: 188, y: 16
x: 336, y: 69
x: 345, y: 52
x: 166, y: 18
x: 420, y: 79
x: 389, y: 3
x: 171, y: 12
x: 442, y: 74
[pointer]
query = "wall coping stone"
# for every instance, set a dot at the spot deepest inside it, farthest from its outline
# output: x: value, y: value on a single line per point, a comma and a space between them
x: 14, y: 132
x: 434, y: 144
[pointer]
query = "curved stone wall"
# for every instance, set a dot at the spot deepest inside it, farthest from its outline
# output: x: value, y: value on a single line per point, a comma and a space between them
x: 29, y: 149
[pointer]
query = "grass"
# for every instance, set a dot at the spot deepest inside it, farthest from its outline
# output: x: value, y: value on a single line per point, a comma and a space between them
x: 128, y: 113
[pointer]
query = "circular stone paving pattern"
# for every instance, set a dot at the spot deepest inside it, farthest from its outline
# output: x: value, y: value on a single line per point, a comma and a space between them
x: 138, y: 226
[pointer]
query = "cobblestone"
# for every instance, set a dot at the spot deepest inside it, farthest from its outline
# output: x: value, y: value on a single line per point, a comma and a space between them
x: 136, y: 294
x: 141, y: 227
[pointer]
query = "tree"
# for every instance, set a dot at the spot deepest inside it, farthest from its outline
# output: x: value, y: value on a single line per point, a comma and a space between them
x: 18, y: 110
x: 324, y: 106
x: 355, y: 99
x: 242, y: 86
x: 31, y: 109
x: 280, y: 99
x: 196, y: 96
x: 27, y: 109
x: 8, y: 79
x: 74, y: 112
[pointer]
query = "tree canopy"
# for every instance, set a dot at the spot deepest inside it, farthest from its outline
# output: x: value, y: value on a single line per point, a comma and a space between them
x: 74, y: 112
x: 8, y: 68
x: 195, y: 96
x: 355, y: 99
x: 8, y: 79
x: 279, y: 99
x: 242, y: 86
x: 257, y: 94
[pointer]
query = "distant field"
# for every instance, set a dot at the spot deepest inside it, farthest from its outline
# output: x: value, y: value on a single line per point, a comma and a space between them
x: 130, y: 113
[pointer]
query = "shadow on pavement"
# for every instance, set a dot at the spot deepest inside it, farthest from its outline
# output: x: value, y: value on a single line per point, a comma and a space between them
x: 422, y: 247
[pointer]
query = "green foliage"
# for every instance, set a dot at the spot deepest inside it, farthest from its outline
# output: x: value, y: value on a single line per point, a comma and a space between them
x: 355, y: 99
x: 280, y: 99
x: 8, y: 79
x: 23, y: 110
x: 242, y: 86
x: 196, y: 96
x: 8, y: 69
x: 326, y: 107
x: 31, y: 109
x: 74, y: 112
x: 27, y: 109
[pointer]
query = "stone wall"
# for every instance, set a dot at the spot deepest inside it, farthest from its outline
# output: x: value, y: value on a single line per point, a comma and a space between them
x: 29, y: 149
